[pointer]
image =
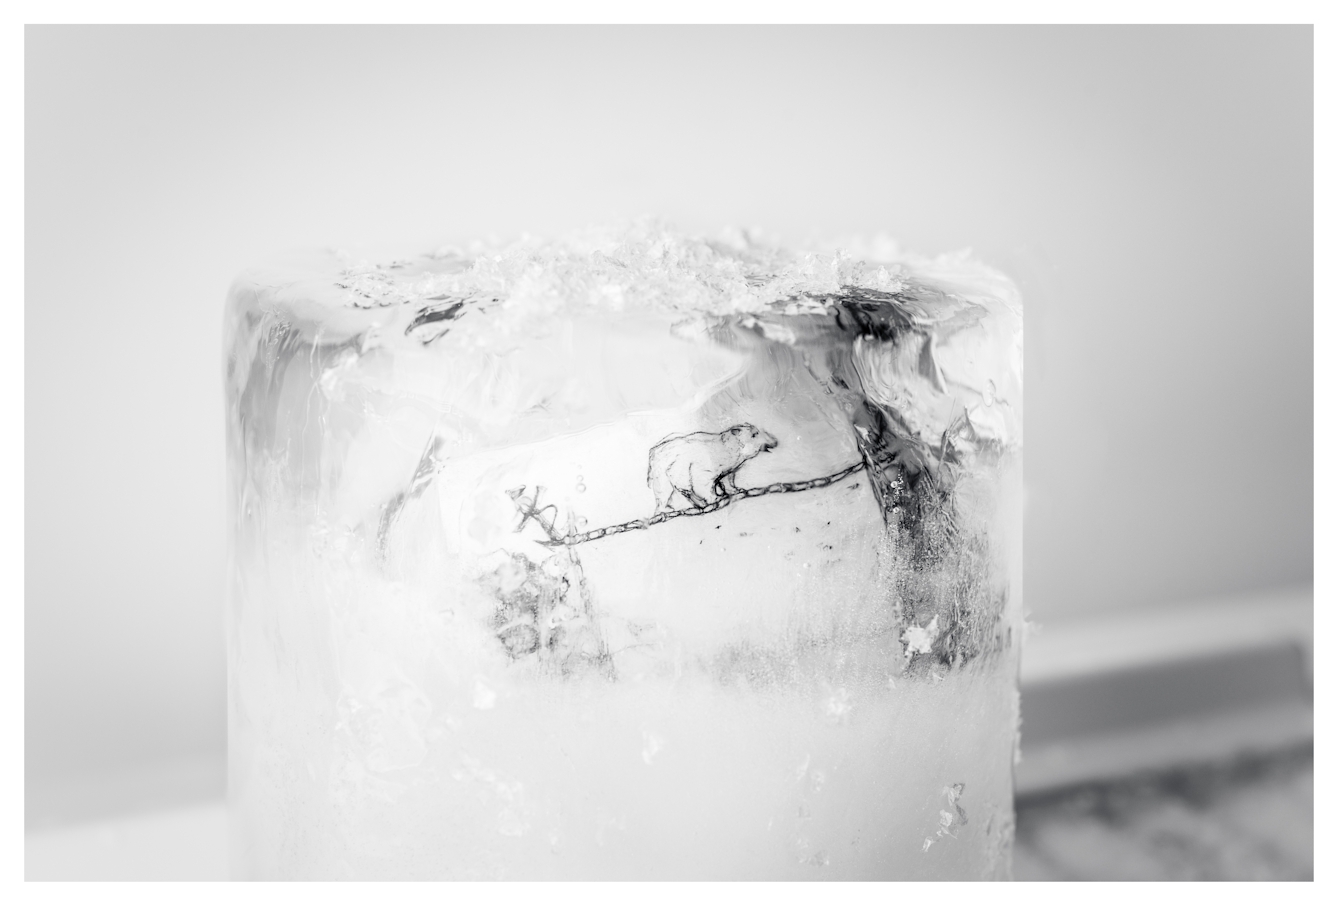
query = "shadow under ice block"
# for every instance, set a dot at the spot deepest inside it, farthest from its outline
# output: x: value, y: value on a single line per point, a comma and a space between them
x: 627, y: 556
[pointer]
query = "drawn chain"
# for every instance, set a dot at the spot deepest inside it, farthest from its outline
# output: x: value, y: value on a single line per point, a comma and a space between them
x: 530, y: 510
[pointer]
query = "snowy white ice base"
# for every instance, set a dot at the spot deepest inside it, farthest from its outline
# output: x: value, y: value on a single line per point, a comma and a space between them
x: 654, y: 781
x: 188, y: 841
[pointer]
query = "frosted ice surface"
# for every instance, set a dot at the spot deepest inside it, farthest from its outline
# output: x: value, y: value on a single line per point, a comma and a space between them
x: 555, y: 559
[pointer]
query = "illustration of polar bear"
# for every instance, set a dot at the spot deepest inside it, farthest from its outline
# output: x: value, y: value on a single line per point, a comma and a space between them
x: 698, y: 468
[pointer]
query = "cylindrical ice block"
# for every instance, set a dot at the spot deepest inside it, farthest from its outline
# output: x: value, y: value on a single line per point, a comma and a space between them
x: 631, y: 555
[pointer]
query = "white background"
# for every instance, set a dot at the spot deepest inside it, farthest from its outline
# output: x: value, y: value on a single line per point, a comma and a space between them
x: 1149, y: 187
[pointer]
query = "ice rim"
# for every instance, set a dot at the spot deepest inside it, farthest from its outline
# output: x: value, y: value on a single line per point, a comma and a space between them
x: 924, y: 353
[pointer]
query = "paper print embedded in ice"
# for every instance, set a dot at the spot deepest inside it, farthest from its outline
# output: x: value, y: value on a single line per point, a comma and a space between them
x: 545, y: 606
x: 694, y: 469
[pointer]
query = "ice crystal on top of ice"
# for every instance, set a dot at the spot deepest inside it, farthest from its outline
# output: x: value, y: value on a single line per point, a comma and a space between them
x: 646, y: 264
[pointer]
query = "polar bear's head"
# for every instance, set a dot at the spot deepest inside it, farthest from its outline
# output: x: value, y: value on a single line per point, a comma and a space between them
x: 751, y: 440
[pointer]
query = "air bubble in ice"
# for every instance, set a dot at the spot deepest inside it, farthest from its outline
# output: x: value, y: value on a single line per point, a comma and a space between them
x: 651, y: 745
x: 920, y: 639
x: 838, y: 706
x: 484, y: 697
x: 561, y: 614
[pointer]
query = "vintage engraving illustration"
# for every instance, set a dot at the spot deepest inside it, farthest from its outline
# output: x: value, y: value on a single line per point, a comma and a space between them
x: 697, y: 469
x: 545, y: 607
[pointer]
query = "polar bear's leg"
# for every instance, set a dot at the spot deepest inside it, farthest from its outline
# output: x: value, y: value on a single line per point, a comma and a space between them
x: 662, y: 488
x: 662, y: 483
x: 700, y: 482
x: 695, y: 499
x: 724, y: 485
x: 679, y: 476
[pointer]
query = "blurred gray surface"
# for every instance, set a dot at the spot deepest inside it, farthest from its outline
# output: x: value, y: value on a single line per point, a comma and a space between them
x: 1150, y: 188
x: 1152, y: 688
x: 1242, y: 821
x: 119, y: 792
x: 186, y: 843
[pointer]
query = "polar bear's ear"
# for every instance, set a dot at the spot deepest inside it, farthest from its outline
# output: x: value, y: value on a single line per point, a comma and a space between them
x: 736, y: 430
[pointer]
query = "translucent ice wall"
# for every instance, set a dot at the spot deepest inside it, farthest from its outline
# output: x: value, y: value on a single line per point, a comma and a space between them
x: 632, y: 555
